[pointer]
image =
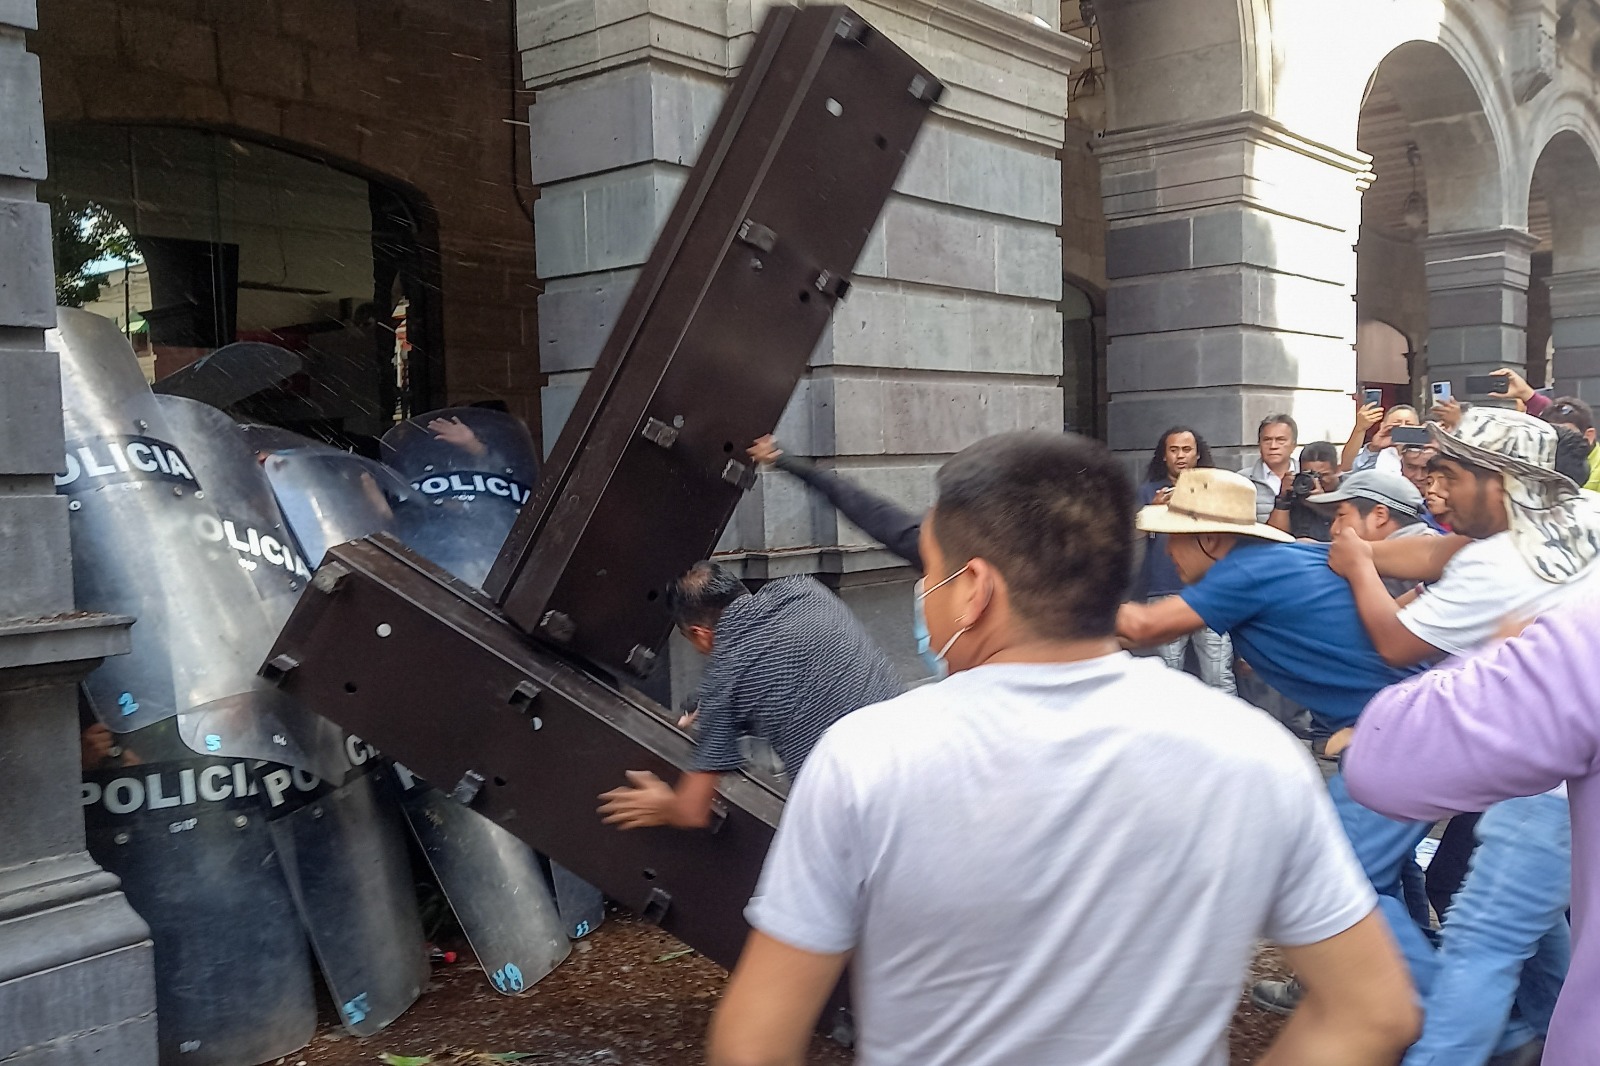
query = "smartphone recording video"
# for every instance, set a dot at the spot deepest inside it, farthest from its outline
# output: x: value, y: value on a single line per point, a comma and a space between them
x: 1409, y: 436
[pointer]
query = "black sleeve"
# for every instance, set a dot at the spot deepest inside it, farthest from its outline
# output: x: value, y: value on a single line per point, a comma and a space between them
x: 885, y: 522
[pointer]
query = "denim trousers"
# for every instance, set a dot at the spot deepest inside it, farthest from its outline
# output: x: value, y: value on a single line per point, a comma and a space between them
x: 1385, y: 848
x: 1506, y: 941
x: 1212, y: 650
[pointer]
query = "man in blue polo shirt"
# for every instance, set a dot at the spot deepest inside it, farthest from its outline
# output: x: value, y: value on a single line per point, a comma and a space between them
x: 1299, y: 630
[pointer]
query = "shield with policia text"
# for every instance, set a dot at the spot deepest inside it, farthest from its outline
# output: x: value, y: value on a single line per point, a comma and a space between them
x: 495, y: 885
x: 473, y: 468
x: 331, y: 497
x: 147, y: 542
x: 187, y: 836
x: 257, y: 723
x: 343, y: 853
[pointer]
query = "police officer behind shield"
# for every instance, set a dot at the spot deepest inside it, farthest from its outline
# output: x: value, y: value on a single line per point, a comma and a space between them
x: 785, y: 663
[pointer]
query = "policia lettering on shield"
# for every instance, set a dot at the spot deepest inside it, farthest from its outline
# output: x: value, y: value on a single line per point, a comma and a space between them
x: 785, y: 663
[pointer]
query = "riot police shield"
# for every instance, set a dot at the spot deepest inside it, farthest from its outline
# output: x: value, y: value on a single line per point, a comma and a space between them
x: 252, y: 524
x: 264, y: 439
x: 187, y: 838
x: 330, y: 497
x: 231, y: 373
x: 494, y: 884
x: 581, y: 905
x: 343, y: 853
x: 147, y: 542
x: 258, y: 723
x: 473, y: 468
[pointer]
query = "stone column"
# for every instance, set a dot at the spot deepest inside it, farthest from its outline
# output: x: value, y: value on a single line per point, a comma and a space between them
x: 1575, y: 330
x: 952, y: 331
x: 1232, y: 268
x: 75, y: 962
x: 1477, y: 303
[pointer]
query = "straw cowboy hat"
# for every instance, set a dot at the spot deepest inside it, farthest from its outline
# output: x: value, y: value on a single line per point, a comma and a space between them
x: 1210, y: 501
x: 1554, y: 525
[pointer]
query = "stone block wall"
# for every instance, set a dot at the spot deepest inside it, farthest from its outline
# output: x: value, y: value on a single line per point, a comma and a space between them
x: 76, y: 978
x: 424, y: 96
x: 952, y: 331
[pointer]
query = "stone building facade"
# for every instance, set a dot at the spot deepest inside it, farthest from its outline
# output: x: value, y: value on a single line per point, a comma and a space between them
x: 1126, y: 214
x: 1123, y: 214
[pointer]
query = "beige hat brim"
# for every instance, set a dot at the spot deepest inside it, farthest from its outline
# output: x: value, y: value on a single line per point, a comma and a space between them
x: 1157, y: 518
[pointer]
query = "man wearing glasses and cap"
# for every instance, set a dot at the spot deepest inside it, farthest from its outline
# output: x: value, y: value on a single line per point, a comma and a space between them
x: 1528, y: 540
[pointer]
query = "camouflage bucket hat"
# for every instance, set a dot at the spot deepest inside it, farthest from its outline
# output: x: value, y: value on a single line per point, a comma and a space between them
x: 1554, y: 525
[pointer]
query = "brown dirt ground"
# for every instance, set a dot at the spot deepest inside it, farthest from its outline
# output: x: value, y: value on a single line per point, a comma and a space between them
x: 615, y: 1002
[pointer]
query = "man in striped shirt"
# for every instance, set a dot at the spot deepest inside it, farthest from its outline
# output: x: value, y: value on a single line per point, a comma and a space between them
x: 784, y: 664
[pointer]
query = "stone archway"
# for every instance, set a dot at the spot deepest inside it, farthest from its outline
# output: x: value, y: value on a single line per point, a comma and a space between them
x: 1436, y: 253
x: 1564, y: 215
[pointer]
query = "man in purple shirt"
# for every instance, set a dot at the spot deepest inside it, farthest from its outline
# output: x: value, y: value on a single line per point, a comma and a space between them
x: 1516, y: 721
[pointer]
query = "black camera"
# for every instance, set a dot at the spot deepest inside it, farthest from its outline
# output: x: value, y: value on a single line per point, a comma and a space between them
x: 1304, y: 485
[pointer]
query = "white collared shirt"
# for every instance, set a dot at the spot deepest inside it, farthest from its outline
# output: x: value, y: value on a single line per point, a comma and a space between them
x: 1268, y: 485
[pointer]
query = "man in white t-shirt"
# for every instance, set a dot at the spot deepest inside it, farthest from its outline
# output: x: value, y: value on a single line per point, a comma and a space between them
x: 1060, y: 854
x: 1529, y: 540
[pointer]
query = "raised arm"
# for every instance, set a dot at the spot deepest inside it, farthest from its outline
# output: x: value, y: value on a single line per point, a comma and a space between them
x: 883, y: 520
x: 1515, y: 721
x: 1369, y: 415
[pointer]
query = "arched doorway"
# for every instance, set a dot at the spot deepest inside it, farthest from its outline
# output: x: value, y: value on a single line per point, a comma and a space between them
x: 1564, y: 296
x: 1435, y: 259
x: 224, y: 239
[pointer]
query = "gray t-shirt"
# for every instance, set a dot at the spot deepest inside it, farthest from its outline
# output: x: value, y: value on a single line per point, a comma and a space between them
x: 788, y: 662
x: 1049, y: 864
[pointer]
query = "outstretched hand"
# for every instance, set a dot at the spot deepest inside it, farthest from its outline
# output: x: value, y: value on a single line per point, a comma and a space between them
x: 1368, y: 416
x: 648, y: 802
x: 765, y: 450
x: 453, y: 431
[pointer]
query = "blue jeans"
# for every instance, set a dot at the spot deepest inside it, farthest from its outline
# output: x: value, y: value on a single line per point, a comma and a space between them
x: 1506, y: 940
x: 1212, y: 650
x: 1385, y: 847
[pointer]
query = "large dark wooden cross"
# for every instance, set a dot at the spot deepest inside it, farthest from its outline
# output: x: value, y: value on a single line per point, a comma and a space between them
x: 507, y: 697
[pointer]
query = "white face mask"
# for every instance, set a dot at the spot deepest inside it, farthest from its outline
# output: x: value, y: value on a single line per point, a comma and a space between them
x: 922, y: 620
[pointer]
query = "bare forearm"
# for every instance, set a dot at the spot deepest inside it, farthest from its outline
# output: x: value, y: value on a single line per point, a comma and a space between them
x: 1279, y: 519
x: 1146, y: 625
x: 1352, y: 448
x: 692, y: 800
x: 1416, y: 558
x: 1316, y: 1037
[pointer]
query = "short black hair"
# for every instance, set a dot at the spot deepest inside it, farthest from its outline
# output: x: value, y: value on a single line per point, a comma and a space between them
x: 1321, y: 451
x: 1053, y: 512
x: 1157, y: 470
x: 699, y: 597
x: 1570, y: 411
x: 1280, y: 419
x: 1364, y: 507
x: 1572, y: 454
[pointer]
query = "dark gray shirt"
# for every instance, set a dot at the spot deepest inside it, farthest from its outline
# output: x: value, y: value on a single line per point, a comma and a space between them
x: 788, y: 662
